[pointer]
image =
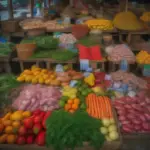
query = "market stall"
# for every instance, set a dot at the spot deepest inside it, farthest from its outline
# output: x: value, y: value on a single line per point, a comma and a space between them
x: 79, y: 85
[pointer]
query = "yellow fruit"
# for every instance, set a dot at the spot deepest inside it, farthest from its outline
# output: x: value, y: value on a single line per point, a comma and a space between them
x: 36, y: 73
x: 21, y: 79
x: 26, y: 114
x: 9, y: 129
x: 3, y: 138
x: 7, y: 116
x: 34, y: 81
x: 41, y: 80
x: 52, y: 76
x: 28, y: 78
x: 48, y: 81
x: 1, y: 128
x: 34, y: 67
x: 7, y: 122
x: 45, y: 76
x: 16, y: 124
x: 17, y: 116
x: 11, y: 139
x: 27, y: 72
x: 44, y: 71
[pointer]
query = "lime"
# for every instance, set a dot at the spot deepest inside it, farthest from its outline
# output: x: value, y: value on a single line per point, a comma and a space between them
x: 61, y: 103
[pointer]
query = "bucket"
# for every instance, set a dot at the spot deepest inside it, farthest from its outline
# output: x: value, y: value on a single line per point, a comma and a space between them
x: 24, y: 51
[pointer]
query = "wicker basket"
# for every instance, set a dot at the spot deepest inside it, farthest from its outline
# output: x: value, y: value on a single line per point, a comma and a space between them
x: 10, y: 26
x: 24, y: 51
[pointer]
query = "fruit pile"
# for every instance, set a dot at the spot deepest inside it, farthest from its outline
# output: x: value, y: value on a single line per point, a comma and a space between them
x: 145, y: 17
x: 37, y: 75
x: 143, y: 57
x: 100, y: 24
x: 109, y: 129
x: 23, y: 127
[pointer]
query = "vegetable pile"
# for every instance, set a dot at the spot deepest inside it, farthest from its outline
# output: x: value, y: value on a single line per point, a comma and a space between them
x: 6, y: 49
x: 134, y: 113
x: 37, y: 97
x: 7, y: 83
x: 63, y: 55
x: 66, y: 130
x: 24, y: 127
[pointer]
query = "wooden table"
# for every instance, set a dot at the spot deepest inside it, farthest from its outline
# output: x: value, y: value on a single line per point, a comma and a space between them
x: 48, y: 62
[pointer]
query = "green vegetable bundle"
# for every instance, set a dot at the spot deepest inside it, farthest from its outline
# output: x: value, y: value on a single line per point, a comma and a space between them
x: 7, y: 83
x: 63, y: 55
x: 65, y: 130
x: 43, y: 42
x: 46, y: 42
x: 6, y: 48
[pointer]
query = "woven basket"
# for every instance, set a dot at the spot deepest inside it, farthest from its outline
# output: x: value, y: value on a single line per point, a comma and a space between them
x: 24, y: 51
x: 36, y: 32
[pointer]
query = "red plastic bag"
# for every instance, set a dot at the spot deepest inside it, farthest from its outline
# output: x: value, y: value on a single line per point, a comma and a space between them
x: 84, y: 52
x: 95, y: 53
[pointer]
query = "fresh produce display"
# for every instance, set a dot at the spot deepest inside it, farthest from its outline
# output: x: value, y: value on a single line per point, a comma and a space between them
x: 129, y: 79
x: 127, y: 20
x: 6, y: 49
x: 37, y: 97
x: 38, y: 75
x: 121, y: 52
x: 43, y: 42
x: 7, y: 84
x: 143, y: 57
x: 109, y: 129
x: 134, y: 113
x: 101, y: 24
x: 145, y: 17
x: 63, y: 55
x: 24, y: 127
x: 66, y: 132
x: 99, y: 106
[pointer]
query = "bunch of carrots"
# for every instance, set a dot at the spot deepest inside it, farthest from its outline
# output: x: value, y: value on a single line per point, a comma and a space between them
x: 99, y: 106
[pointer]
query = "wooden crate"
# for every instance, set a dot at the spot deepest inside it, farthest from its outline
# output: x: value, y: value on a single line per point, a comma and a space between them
x: 47, y: 61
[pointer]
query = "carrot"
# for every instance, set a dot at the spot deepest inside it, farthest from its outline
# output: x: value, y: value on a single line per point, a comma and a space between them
x: 109, y: 107
x: 96, y: 106
x: 106, y: 107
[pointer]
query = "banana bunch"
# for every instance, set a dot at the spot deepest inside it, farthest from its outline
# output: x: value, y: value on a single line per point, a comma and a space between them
x: 100, y: 24
x: 143, y: 57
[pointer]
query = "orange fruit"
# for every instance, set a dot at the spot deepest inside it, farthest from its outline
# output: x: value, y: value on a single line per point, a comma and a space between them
x: 9, y: 129
x: 26, y: 114
x: 7, y: 122
x: 67, y: 107
x: 11, y: 139
x: 70, y: 101
x: 74, y: 106
x: 71, y: 110
x: 3, y: 138
x: 76, y: 101
x: 1, y: 128
x: 16, y: 124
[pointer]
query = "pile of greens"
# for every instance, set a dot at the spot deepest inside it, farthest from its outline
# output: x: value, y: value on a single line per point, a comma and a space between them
x: 63, y: 55
x: 6, y: 48
x: 87, y: 41
x: 7, y: 83
x: 66, y: 130
x: 43, y: 42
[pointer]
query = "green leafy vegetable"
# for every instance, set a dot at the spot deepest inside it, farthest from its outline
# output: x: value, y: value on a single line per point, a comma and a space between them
x: 6, y: 48
x: 7, y: 82
x: 63, y: 55
x: 65, y: 130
